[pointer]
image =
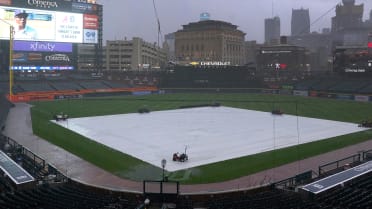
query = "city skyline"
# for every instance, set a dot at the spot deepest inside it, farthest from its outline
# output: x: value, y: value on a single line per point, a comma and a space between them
x: 138, y: 19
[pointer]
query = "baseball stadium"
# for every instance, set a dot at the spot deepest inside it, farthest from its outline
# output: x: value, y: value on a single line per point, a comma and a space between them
x: 183, y: 137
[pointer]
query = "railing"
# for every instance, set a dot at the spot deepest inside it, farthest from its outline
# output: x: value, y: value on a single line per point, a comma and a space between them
x: 292, y: 182
x: 339, y: 165
x: 367, y: 155
x: 41, y: 170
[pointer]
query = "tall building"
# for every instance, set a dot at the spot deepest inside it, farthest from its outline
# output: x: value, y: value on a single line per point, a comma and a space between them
x: 348, y: 16
x: 210, y: 41
x: 319, y: 46
x: 300, y: 23
x: 135, y: 54
x: 348, y: 28
x: 86, y: 56
x: 251, y: 48
x: 272, y: 30
x: 169, y: 46
x: 368, y: 22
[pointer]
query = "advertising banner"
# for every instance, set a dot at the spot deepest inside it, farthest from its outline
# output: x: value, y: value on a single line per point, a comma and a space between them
x: 6, y: 2
x: 67, y: 96
x: 361, y: 98
x: 141, y: 93
x: 90, y: 22
x: 21, y: 57
x: 83, y: 8
x: 38, y: 46
x: 345, y: 96
x: 34, y: 58
x: 44, y: 61
x: 300, y: 93
x: 326, y: 95
x: 90, y: 36
x: 57, y: 58
x: 289, y: 87
x: 69, y: 27
x: 56, y: 5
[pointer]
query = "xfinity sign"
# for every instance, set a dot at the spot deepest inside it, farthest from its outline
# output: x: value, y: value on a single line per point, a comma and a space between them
x: 37, y: 46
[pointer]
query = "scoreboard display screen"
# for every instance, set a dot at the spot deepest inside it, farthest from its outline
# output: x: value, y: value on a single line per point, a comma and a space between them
x: 45, y: 25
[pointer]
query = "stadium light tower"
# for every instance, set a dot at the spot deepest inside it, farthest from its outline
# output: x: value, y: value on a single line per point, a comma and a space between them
x: 163, y: 163
x: 11, y: 38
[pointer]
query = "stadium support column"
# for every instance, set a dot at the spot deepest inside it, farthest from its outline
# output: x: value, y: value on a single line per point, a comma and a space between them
x: 11, y: 38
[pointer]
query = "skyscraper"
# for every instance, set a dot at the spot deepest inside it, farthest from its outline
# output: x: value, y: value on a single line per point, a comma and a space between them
x: 272, y: 30
x: 348, y: 16
x: 169, y: 46
x: 300, y: 23
x: 348, y: 28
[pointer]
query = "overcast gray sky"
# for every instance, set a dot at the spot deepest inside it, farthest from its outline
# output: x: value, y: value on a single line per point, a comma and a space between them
x: 136, y: 18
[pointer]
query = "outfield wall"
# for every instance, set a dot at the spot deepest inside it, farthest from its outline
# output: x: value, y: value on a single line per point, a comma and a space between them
x: 70, y: 94
x: 304, y: 93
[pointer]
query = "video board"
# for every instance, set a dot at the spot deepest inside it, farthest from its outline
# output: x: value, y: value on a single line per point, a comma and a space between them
x: 352, y: 60
x: 51, y: 26
x: 29, y: 68
x: 45, y: 60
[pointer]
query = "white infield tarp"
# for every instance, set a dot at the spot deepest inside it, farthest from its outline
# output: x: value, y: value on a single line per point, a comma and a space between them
x: 210, y: 134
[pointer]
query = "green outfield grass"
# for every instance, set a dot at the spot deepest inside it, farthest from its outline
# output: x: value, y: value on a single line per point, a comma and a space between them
x: 128, y: 167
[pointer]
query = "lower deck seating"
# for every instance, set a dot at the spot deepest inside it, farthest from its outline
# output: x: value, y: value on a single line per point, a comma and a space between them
x: 62, y: 196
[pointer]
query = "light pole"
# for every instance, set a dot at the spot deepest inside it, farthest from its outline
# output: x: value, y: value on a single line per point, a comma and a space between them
x: 11, y: 38
x: 163, y: 163
x: 147, y: 202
